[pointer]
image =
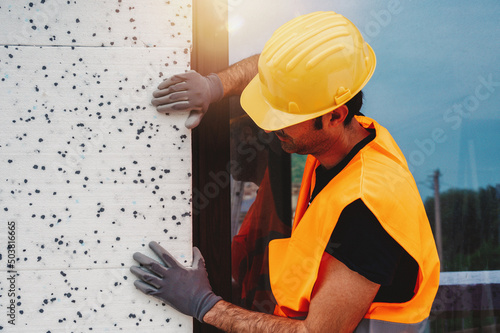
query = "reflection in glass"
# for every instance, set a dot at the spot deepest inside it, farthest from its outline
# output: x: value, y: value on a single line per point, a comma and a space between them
x: 260, y: 208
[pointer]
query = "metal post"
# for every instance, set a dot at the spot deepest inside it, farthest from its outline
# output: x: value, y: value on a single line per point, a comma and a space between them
x: 437, y: 213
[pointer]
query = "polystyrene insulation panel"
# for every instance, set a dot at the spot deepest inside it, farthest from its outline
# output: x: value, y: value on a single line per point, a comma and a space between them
x: 89, y: 171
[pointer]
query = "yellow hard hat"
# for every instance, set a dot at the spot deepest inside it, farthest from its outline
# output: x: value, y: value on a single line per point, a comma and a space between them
x: 311, y: 65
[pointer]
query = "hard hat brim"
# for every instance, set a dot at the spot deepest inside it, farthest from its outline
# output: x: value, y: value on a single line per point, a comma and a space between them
x: 264, y: 115
x: 271, y: 119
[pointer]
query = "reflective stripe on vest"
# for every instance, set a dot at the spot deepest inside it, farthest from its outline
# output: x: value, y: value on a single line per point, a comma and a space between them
x: 381, y: 326
x: 379, y: 176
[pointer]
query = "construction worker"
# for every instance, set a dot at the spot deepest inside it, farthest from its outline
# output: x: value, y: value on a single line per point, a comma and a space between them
x: 361, y: 256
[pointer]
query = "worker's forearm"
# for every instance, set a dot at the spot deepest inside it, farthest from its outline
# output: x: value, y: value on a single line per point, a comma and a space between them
x: 236, y: 77
x: 231, y: 318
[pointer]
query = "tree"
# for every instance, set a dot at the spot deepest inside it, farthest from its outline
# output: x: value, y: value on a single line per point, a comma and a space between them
x: 470, y: 228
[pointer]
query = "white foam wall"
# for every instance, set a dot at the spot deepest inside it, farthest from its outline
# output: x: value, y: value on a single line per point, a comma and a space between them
x: 89, y: 171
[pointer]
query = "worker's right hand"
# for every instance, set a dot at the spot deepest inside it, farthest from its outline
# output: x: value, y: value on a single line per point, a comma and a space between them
x: 189, y: 91
x: 186, y: 289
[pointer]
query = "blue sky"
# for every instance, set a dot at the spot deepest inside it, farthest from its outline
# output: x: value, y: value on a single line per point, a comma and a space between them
x: 437, y: 83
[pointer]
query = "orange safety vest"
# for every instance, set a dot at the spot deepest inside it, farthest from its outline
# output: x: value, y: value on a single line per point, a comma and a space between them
x: 379, y: 175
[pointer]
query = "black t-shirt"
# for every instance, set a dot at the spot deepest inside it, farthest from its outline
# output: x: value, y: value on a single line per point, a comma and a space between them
x: 362, y: 244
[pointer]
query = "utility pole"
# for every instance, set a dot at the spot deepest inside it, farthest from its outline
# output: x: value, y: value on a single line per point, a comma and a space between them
x: 437, y: 213
x: 498, y: 197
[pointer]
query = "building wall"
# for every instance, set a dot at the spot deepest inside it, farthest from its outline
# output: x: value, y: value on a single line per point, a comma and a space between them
x: 89, y: 171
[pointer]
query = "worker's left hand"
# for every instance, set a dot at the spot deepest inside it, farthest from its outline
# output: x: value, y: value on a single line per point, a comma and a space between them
x: 184, y: 288
x: 188, y: 91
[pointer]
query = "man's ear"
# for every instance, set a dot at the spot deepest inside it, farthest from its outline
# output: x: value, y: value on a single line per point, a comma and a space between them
x: 337, y: 116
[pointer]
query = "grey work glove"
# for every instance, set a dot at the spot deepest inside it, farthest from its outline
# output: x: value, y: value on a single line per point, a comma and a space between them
x: 188, y: 92
x: 186, y: 289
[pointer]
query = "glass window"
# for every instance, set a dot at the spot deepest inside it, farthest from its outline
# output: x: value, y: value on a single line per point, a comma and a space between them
x: 260, y: 208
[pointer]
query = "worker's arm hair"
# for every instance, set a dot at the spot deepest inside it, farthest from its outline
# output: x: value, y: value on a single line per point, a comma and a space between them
x: 236, y: 77
x: 231, y: 318
x: 340, y: 299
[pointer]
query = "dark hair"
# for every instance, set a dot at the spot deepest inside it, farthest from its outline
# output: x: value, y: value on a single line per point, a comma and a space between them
x: 353, y: 105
